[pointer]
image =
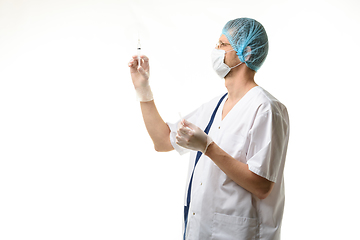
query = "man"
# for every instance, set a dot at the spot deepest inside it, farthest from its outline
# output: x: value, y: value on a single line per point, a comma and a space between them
x: 239, y: 142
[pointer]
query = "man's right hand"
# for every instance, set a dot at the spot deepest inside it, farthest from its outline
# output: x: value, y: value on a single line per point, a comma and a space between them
x: 140, y: 77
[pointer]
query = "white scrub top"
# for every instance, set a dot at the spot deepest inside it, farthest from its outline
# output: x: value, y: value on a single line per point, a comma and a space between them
x: 255, y: 132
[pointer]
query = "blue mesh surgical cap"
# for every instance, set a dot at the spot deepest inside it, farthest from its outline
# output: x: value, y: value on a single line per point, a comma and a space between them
x: 249, y: 39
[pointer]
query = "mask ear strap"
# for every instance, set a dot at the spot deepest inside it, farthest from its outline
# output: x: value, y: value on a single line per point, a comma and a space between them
x: 230, y: 50
x: 237, y: 65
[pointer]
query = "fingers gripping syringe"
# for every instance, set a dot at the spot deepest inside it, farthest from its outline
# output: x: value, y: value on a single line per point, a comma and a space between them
x: 139, y: 52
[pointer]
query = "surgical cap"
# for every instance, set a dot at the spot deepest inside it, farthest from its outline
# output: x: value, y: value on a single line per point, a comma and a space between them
x: 248, y: 37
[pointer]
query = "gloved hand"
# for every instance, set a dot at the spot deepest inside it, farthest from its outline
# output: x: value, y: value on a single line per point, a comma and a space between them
x: 140, y: 78
x: 192, y: 137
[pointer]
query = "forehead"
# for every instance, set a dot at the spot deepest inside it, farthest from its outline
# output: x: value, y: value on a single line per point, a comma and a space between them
x: 223, y: 39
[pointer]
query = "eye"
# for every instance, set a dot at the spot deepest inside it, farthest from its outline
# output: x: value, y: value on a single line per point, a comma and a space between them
x: 220, y: 44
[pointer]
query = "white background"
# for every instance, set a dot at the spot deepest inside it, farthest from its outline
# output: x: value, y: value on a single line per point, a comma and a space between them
x: 75, y: 159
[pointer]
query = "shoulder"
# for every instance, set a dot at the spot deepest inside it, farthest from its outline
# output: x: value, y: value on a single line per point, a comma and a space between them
x: 268, y: 104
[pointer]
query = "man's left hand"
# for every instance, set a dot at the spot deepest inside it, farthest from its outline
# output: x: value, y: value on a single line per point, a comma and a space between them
x: 192, y: 137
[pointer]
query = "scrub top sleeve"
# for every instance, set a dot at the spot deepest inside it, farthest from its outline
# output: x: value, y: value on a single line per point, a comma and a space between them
x: 268, y: 142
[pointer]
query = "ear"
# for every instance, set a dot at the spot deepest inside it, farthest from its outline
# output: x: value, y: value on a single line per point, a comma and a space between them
x: 247, y: 53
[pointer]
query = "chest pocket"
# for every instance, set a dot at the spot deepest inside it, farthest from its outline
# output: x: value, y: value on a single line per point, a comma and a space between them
x: 234, y: 145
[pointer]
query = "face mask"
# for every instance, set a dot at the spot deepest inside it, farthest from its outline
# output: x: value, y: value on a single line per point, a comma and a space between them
x: 218, y: 58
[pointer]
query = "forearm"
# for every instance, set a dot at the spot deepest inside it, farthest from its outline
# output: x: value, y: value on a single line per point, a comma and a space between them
x: 158, y: 130
x: 239, y: 172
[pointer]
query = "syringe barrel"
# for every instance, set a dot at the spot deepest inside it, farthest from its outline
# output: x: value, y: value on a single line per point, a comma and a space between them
x: 139, y: 52
x: 138, y: 46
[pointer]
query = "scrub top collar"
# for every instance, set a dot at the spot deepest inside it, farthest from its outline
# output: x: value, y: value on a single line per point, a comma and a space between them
x: 245, y: 99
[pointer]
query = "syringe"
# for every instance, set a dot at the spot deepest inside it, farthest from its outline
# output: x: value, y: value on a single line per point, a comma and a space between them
x: 139, y: 52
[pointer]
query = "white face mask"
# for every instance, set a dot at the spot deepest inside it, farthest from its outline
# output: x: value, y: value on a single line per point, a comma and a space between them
x: 218, y: 61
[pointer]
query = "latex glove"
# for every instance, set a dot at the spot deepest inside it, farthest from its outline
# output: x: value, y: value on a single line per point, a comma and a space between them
x: 140, y: 78
x: 192, y: 137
